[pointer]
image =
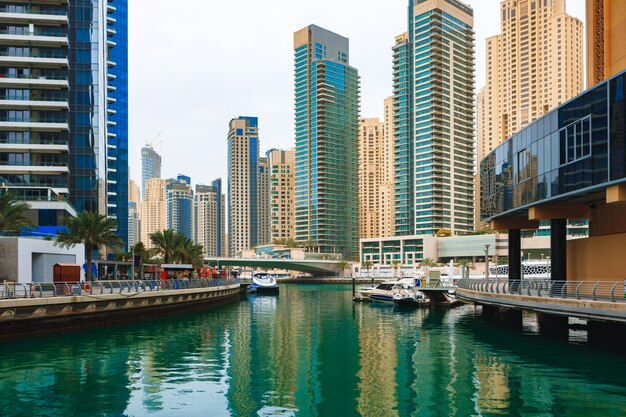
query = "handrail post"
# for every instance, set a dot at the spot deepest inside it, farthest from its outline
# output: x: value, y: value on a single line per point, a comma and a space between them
x: 613, y: 291
x: 593, y: 292
x: 563, y: 289
x: 577, y: 290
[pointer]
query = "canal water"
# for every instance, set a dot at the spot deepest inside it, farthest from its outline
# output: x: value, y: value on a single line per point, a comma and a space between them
x: 309, y: 352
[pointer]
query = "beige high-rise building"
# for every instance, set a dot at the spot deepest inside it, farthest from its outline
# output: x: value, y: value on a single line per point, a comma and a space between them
x: 243, y: 178
x: 282, y: 193
x: 535, y: 64
x: 134, y: 215
x: 209, y: 219
x: 153, y: 210
x: 387, y: 211
x: 374, y: 178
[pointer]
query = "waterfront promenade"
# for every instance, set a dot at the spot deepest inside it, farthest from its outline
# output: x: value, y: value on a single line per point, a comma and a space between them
x: 27, y: 309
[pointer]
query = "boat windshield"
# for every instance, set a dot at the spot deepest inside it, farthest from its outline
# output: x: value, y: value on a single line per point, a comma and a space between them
x: 385, y: 287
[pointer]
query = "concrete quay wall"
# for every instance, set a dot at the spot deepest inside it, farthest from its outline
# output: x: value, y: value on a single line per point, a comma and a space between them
x: 32, y: 316
x: 584, y: 309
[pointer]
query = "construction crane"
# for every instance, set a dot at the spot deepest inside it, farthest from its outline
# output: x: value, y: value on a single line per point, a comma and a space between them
x: 153, y: 143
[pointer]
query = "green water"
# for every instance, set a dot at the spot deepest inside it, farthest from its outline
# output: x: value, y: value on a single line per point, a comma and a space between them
x: 309, y: 352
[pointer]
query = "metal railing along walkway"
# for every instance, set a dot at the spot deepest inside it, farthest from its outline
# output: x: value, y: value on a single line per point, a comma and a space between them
x: 612, y: 291
x: 10, y: 290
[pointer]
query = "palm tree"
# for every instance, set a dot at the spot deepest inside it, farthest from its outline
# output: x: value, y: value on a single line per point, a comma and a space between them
x: 395, y: 265
x: 189, y: 252
x: 367, y: 265
x: 465, y: 264
x: 428, y: 262
x: 167, y: 243
x: 341, y: 267
x: 310, y: 244
x: 140, y: 249
x: 93, y: 230
x: 12, y: 214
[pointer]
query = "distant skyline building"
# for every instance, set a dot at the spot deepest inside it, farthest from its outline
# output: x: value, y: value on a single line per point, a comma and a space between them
x: 150, y: 167
x: 371, y: 176
x: 153, y: 210
x: 134, y: 214
x: 433, y: 80
x: 179, y: 205
x: 281, y: 193
x: 263, y: 201
x: 326, y: 134
x: 243, y: 173
x: 209, y: 218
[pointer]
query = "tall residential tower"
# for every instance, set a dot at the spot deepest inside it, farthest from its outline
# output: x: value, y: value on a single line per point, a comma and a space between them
x: 433, y: 119
x: 281, y: 193
x: 209, y: 218
x: 326, y: 133
x: 243, y: 174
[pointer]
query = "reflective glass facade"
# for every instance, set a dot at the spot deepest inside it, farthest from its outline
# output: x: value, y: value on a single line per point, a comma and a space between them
x: 577, y: 149
x: 87, y: 116
x: 326, y: 133
x: 180, y: 205
x: 117, y: 113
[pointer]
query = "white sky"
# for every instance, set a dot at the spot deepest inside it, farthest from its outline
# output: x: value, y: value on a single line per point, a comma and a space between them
x: 195, y: 66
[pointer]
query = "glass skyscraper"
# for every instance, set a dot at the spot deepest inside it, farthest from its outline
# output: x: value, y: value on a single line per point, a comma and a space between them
x: 150, y: 167
x: 180, y: 205
x: 433, y: 119
x: 58, y: 137
x: 326, y: 133
x: 117, y: 113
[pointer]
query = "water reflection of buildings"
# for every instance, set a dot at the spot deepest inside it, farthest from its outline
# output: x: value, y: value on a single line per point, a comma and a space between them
x: 378, y: 362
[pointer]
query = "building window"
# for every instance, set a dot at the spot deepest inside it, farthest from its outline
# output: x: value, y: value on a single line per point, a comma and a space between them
x: 575, y: 141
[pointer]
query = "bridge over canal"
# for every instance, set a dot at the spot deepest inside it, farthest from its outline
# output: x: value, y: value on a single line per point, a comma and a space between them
x: 313, y: 267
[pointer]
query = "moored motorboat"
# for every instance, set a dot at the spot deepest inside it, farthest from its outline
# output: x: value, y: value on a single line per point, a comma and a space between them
x: 385, y: 291
x: 409, y: 298
x: 263, y: 283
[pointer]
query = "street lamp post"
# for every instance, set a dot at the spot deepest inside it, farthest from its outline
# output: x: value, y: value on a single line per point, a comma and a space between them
x: 487, y: 260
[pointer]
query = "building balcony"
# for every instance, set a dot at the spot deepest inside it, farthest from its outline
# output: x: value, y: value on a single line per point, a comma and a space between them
x: 49, y: 168
x: 34, y: 104
x: 33, y: 81
x: 38, y: 37
x: 34, y: 124
x: 35, y: 147
x: 61, y: 62
x: 33, y: 15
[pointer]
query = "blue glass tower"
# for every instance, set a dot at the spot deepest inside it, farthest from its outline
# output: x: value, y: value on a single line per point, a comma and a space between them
x: 117, y: 114
x: 87, y: 105
x: 180, y: 205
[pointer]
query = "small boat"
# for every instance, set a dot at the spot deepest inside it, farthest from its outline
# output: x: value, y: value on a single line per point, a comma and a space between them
x: 385, y: 291
x: 263, y: 283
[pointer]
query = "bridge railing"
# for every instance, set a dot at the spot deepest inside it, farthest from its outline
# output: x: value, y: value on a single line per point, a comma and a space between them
x: 612, y: 291
x: 11, y: 290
